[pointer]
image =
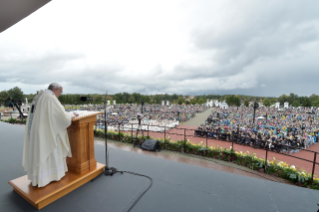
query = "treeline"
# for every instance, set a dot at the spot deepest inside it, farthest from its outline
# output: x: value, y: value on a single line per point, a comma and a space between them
x: 296, y: 100
x: 293, y: 100
x: 122, y: 98
x: 16, y: 93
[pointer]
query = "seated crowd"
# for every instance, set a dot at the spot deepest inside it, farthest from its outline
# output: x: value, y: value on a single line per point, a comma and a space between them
x: 123, y: 114
x: 282, y: 131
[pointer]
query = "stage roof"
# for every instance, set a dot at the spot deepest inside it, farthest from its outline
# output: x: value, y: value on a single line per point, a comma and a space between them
x: 13, y: 11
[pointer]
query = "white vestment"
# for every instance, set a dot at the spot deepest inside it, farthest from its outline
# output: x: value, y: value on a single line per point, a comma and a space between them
x: 46, y: 141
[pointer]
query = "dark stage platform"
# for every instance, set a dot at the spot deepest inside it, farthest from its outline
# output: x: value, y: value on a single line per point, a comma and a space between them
x: 176, y: 186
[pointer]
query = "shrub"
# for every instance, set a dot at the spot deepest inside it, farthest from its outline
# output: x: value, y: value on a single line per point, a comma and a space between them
x: 14, y: 121
x: 281, y: 169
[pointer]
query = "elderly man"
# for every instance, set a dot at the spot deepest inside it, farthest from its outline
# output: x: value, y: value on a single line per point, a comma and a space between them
x: 46, y: 142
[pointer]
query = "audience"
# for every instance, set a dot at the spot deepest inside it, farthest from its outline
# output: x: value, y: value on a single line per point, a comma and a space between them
x: 272, y: 129
x: 152, y: 114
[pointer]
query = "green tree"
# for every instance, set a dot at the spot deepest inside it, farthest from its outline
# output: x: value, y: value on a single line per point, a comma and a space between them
x: 125, y: 97
x: 147, y: 99
x: 266, y: 102
x: 237, y: 101
x: 16, y: 93
x: 193, y: 101
x: 273, y: 100
x: 246, y: 103
x: 137, y: 97
x: 292, y: 97
x: 283, y: 98
x: 157, y: 99
x: 315, y: 103
x: 97, y: 99
x: 174, y: 97
x: 296, y: 103
x: 131, y: 99
x: 180, y: 100
x: 313, y: 97
x: 201, y: 101
x: 3, y: 97
x: 230, y: 100
x: 306, y: 102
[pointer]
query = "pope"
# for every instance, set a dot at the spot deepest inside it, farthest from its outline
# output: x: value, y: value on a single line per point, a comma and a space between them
x: 46, y: 141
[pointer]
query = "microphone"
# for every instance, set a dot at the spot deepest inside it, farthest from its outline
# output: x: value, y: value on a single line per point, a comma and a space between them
x: 83, y: 98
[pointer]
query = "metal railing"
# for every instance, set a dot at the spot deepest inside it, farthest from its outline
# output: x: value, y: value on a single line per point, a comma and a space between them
x: 233, y: 138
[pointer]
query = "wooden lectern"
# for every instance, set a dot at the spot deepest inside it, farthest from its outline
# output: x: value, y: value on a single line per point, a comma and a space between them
x: 82, y: 166
x: 81, y: 138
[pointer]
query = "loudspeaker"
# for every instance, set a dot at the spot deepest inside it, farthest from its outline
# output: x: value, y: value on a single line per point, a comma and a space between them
x: 150, y: 144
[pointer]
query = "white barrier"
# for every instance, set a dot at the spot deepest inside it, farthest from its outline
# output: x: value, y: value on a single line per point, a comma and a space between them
x: 147, y: 125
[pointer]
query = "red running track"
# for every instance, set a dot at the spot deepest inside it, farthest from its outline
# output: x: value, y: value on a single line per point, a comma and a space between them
x: 178, y: 134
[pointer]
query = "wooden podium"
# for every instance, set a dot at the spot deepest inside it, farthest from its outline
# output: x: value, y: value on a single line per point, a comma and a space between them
x: 81, y: 136
x: 82, y: 166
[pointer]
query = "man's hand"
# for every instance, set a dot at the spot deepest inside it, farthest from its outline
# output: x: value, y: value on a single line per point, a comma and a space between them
x: 75, y: 115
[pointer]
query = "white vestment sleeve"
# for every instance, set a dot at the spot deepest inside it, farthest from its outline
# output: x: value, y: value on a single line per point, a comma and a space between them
x: 49, y: 120
x: 25, y: 154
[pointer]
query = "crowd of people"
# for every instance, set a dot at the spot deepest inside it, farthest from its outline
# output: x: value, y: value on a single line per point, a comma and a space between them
x: 287, y: 130
x: 179, y: 113
x: 123, y: 114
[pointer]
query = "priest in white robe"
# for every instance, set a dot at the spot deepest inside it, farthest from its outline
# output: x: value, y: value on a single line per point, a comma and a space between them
x: 46, y: 141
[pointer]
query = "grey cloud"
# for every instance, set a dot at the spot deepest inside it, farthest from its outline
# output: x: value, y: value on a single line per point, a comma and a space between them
x: 279, y: 30
x: 34, y: 70
x: 275, y: 31
x: 273, y: 43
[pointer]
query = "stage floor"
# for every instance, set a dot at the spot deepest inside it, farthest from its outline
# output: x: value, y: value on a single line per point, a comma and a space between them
x: 176, y: 186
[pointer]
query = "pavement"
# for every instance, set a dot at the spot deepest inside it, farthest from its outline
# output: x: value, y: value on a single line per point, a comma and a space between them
x: 175, y: 186
x: 10, y: 113
x: 198, y: 119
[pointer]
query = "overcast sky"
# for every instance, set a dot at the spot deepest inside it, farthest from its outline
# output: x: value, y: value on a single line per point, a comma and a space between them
x: 261, y: 48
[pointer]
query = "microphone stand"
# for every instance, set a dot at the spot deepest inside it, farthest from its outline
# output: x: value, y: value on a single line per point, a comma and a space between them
x: 107, y: 170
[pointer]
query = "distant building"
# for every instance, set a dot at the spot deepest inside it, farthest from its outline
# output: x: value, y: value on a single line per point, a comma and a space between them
x: 286, y: 104
x: 223, y: 105
x: 212, y: 103
x: 189, y: 98
x: 216, y: 103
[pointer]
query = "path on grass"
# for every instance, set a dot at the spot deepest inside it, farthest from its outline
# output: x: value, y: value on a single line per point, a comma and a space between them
x: 198, y: 119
